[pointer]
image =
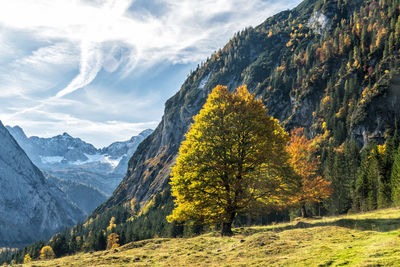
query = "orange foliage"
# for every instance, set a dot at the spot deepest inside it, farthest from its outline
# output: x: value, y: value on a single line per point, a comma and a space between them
x: 314, y: 187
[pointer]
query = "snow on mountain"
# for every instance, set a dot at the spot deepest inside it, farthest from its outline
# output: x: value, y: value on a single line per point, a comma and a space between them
x: 73, y: 159
x: 30, y: 207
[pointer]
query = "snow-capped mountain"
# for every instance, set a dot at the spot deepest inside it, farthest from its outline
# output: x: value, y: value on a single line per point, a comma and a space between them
x: 126, y: 149
x: 31, y: 208
x: 73, y: 159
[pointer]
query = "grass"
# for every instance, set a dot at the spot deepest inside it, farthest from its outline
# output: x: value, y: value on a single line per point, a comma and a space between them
x: 368, y: 239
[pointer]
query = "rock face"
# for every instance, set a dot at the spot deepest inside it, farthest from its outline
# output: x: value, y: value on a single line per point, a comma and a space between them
x: 30, y: 207
x: 259, y: 58
x: 72, y: 159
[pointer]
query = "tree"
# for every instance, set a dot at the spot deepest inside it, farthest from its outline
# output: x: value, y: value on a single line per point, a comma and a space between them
x: 59, y: 244
x: 112, y: 225
x: 395, y: 179
x: 305, y: 163
x: 27, y: 258
x: 234, y: 159
x: 47, y: 253
x: 112, y: 241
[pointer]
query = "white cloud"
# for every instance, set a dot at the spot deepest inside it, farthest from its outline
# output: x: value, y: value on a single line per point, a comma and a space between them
x: 187, y: 24
x: 90, y: 65
x: 62, y: 46
x: 60, y: 53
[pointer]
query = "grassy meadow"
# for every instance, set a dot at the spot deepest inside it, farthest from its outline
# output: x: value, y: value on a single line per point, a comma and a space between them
x: 368, y: 239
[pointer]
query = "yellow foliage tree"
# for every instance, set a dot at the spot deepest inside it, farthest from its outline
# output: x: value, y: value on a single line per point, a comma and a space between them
x: 314, y: 187
x: 112, y: 241
x: 27, y: 258
x: 47, y: 253
x: 112, y: 224
x: 233, y: 159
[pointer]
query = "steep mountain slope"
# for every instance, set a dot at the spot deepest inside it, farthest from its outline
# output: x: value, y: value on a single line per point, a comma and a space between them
x: 73, y: 159
x: 85, y: 197
x: 30, y: 207
x: 330, y: 66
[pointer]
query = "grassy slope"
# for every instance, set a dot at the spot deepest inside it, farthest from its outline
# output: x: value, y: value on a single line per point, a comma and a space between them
x: 369, y: 239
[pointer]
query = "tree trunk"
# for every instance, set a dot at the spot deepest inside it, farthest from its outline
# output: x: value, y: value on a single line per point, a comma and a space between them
x: 226, y: 229
x: 227, y: 226
x: 304, y: 211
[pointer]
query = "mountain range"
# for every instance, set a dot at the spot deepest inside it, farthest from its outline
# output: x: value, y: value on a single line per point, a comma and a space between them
x: 48, y: 184
x: 31, y: 208
x: 73, y: 159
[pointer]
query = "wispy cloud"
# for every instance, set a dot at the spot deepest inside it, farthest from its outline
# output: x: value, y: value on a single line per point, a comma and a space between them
x: 196, y: 25
x: 49, y: 49
x: 90, y: 65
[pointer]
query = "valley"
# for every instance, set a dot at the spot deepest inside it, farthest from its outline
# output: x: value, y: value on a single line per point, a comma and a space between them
x: 282, y: 148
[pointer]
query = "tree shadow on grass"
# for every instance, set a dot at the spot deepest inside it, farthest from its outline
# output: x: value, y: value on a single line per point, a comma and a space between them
x: 378, y: 225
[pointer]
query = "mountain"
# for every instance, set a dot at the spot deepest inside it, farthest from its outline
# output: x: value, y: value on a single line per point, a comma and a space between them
x: 72, y: 159
x: 30, y: 207
x: 126, y: 149
x: 329, y: 66
x: 87, y: 198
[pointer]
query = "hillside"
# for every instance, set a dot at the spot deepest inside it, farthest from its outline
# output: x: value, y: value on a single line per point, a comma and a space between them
x: 329, y: 66
x: 369, y: 239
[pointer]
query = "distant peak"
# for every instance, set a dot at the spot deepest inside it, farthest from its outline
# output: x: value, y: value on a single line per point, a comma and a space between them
x: 146, y: 132
x: 66, y: 135
x: 16, y: 131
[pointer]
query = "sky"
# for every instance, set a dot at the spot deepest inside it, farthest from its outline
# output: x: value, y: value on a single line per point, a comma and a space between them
x: 102, y: 70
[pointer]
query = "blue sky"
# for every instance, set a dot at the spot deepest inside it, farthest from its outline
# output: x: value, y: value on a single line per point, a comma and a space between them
x: 102, y: 70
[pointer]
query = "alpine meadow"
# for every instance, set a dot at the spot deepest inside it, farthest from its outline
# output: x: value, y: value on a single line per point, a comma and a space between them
x: 282, y: 148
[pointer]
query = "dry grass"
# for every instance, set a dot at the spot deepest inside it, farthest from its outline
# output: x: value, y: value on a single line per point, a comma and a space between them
x: 369, y: 239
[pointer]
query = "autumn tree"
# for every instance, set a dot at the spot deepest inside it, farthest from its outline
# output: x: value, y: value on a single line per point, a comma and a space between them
x: 47, y: 253
x: 112, y: 241
x: 112, y: 225
x: 27, y: 258
x: 313, y: 187
x: 232, y: 160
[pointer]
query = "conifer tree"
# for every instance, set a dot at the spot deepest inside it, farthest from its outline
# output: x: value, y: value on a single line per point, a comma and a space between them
x: 395, y: 179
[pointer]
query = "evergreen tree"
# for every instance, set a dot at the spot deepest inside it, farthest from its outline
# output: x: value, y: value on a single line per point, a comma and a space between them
x: 395, y: 179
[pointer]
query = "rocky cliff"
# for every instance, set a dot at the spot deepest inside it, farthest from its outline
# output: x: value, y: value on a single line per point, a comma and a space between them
x: 30, y: 207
